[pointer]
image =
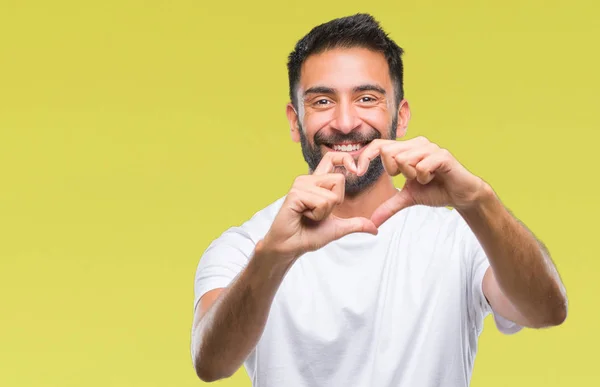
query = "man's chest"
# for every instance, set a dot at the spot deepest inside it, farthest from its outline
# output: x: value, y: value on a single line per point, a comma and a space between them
x: 386, y: 292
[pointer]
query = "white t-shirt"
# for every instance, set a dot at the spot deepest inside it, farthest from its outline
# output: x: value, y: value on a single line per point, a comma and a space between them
x: 404, y: 308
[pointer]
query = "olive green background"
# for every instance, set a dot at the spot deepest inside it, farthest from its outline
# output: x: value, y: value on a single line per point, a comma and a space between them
x: 132, y: 133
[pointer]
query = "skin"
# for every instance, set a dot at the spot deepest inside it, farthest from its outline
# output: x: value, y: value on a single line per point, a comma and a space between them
x: 522, y: 283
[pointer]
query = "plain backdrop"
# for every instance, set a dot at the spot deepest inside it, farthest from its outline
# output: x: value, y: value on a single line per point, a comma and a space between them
x: 132, y: 133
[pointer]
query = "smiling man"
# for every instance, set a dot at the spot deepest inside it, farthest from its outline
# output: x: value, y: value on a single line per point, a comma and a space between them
x: 348, y: 280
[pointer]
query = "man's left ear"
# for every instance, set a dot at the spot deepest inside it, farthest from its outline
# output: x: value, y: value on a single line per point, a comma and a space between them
x: 403, y: 118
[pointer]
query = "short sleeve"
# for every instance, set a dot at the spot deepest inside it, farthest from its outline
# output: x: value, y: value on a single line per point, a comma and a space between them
x: 477, y: 264
x: 222, y: 261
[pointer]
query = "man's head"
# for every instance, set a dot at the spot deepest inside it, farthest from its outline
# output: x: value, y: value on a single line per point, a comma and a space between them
x: 346, y: 89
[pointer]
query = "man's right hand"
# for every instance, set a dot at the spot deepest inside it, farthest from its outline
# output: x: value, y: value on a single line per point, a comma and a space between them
x: 305, y: 222
x: 228, y: 323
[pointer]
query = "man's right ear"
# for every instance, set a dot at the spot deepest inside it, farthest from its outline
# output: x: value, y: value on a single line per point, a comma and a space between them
x: 292, y: 117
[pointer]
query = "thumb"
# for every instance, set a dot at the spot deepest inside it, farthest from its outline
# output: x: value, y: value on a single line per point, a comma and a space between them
x: 352, y: 225
x: 387, y: 209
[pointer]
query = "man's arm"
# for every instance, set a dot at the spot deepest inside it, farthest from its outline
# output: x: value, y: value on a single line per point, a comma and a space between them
x: 224, y: 334
x: 229, y: 322
x: 523, y: 284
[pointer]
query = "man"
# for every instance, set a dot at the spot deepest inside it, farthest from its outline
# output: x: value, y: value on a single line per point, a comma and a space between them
x: 347, y: 280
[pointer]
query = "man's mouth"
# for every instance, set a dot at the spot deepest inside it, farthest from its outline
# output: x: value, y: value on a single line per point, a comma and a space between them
x: 346, y: 147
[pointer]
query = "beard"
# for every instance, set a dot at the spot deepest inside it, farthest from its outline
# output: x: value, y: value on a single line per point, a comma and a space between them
x: 354, y: 184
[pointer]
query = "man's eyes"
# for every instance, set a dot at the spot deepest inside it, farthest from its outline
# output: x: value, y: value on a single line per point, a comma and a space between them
x: 326, y: 102
x: 367, y: 99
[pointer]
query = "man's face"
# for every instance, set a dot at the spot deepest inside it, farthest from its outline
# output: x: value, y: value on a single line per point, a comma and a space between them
x: 345, y: 101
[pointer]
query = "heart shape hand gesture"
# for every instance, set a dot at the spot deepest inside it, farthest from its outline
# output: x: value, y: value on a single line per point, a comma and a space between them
x: 433, y: 178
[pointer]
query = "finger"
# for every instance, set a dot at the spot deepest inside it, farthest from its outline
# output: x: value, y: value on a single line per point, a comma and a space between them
x: 378, y: 148
x: 405, y: 168
x: 334, y: 182
x: 388, y: 157
x: 375, y: 147
x: 335, y: 195
x: 370, y: 152
x: 335, y: 159
x: 312, y: 205
x: 406, y: 161
x: 352, y: 225
x: 435, y: 162
x: 391, y: 206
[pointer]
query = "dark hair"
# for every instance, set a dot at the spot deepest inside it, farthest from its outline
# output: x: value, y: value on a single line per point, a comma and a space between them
x: 360, y: 30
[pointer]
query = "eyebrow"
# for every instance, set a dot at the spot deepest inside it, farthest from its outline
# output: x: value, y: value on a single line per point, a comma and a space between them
x: 319, y: 90
x: 357, y: 89
x: 369, y: 87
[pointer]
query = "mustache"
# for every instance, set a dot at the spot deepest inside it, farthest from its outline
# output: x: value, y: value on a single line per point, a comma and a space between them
x: 353, y: 137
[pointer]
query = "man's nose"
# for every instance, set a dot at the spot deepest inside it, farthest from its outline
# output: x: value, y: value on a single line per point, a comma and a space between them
x: 346, y: 119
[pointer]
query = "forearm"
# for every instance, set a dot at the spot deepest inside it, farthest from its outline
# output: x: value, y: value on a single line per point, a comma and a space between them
x: 521, y: 264
x: 232, y: 326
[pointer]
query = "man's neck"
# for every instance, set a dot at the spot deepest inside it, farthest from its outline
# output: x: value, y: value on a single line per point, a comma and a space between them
x: 365, y: 203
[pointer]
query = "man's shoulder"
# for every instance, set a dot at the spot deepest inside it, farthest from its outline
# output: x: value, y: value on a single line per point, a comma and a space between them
x: 268, y: 213
x: 258, y: 225
x: 253, y: 229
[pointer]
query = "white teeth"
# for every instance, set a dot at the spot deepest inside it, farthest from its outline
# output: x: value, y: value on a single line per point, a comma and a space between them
x: 346, y: 148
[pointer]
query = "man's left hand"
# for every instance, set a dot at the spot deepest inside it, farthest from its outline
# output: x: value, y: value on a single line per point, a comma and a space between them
x: 433, y: 176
